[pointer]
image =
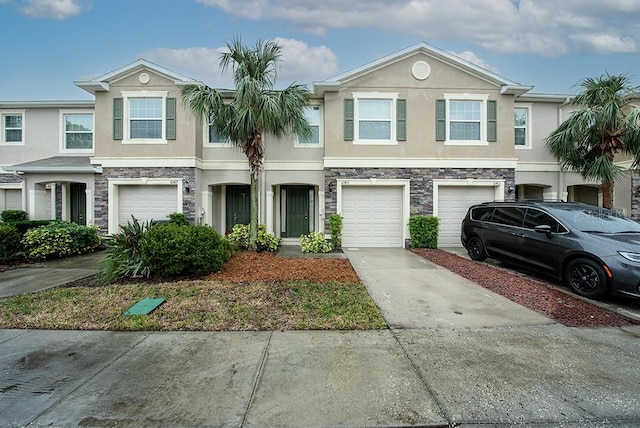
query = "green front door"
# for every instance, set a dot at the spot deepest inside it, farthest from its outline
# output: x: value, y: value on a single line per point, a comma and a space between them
x: 78, y: 202
x: 297, y: 208
x: 238, y: 205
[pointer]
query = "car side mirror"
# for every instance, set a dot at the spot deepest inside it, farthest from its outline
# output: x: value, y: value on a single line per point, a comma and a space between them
x: 544, y: 228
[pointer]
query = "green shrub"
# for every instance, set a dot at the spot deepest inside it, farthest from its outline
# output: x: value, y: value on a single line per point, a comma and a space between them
x: 171, y: 249
x: 424, y: 231
x: 335, y: 225
x: 124, y: 257
x: 23, y: 225
x: 314, y: 242
x: 60, y: 239
x: 13, y: 215
x: 239, y: 238
x: 9, y: 242
x: 178, y: 218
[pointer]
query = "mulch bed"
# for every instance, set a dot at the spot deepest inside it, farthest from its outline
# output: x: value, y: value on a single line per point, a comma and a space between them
x: 533, y: 294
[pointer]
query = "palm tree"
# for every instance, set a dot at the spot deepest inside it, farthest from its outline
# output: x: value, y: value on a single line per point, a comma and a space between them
x: 605, y: 124
x: 255, y: 108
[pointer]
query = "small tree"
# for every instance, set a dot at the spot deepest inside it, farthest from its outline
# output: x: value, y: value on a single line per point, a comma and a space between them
x: 255, y: 109
x: 605, y: 124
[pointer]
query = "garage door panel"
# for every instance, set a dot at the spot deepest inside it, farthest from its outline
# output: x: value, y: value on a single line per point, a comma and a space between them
x: 13, y: 199
x: 146, y: 202
x: 453, y: 203
x: 372, y: 216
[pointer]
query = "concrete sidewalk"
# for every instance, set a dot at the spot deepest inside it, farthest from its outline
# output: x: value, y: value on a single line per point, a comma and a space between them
x: 40, y: 276
x: 455, y: 356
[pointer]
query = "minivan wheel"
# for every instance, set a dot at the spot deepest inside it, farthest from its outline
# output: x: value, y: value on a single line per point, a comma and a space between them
x: 586, y: 278
x: 475, y: 249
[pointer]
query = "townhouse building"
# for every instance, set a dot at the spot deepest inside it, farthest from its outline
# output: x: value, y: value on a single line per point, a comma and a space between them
x: 419, y: 131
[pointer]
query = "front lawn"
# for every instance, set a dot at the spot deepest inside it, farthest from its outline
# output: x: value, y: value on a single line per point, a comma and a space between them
x: 211, y: 304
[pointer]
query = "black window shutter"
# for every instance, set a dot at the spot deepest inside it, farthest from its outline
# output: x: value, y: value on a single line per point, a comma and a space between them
x: 171, y: 119
x: 401, y: 120
x: 441, y: 120
x: 349, y: 120
x: 492, y: 121
x: 117, y: 118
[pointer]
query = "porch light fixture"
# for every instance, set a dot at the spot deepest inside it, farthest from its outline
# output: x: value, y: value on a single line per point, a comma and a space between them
x: 187, y: 185
x: 510, y: 189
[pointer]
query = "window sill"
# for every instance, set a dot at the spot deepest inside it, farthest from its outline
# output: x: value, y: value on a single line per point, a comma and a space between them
x: 375, y: 143
x: 16, y: 144
x: 145, y: 141
x: 522, y: 147
x: 308, y: 146
x: 465, y: 143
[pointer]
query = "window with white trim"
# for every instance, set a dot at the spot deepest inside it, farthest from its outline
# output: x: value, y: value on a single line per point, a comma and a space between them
x: 78, y: 131
x: 12, y: 128
x: 145, y: 117
x: 313, y: 115
x: 466, y: 119
x: 522, y: 126
x: 374, y: 118
x: 212, y: 137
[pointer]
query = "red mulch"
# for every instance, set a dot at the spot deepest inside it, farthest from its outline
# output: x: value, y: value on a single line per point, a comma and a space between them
x: 267, y: 267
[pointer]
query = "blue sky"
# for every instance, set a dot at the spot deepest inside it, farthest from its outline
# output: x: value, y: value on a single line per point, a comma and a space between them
x: 550, y: 44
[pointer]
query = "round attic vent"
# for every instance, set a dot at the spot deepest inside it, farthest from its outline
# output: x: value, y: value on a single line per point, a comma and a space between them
x: 143, y: 78
x: 420, y: 70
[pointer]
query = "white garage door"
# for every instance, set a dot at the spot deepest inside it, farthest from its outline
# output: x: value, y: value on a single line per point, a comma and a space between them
x: 12, y: 199
x: 372, y: 216
x: 146, y: 202
x: 453, y: 203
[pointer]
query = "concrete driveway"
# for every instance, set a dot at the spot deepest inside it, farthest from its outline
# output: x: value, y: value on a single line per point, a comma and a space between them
x: 412, y: 292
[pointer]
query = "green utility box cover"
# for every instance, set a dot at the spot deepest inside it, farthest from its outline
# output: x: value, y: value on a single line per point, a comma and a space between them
x: 145, y: 306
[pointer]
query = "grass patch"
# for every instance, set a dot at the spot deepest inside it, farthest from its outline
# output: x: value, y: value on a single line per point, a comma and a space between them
x: 198, y: 306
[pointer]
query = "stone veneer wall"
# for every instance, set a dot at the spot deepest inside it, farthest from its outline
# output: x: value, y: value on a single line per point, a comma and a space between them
x: 101, y: 198
x: 9, y: 178
x: 420, y: 187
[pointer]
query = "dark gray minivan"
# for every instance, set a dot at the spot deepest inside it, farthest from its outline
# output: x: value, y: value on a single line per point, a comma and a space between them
x: 592, y: 249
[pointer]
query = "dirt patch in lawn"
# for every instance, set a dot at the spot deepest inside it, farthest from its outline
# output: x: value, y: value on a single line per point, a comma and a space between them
x: 531, y: 293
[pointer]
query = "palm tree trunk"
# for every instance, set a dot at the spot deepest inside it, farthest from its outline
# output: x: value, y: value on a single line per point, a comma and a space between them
x: 253, y: 223
x: 607, y: 194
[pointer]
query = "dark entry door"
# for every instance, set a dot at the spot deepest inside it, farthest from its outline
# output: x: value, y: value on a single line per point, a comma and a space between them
x: 238, y: 202
x: 78, y: 202
x: 297, y: 211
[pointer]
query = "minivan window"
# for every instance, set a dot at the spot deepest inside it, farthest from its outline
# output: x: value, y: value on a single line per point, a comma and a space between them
x: 510, y: 216
x: 535, y: 218
x: 600, y: 221
x: 482, y: 213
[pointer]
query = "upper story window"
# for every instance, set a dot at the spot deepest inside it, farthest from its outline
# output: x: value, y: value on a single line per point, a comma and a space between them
x: 466, y: 119
x: 522, y: 126
x: 78, y: 131
x: 374, y: 118
x: 212, y: 136
x: 313, y: 116
x: 12, y: 129
x: 144, y: 117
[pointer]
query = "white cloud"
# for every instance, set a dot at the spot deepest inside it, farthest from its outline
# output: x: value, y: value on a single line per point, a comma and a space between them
x: 56, y: 9
x: 542, y: 27
x: 474, y: 59
x: 300, y: 61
